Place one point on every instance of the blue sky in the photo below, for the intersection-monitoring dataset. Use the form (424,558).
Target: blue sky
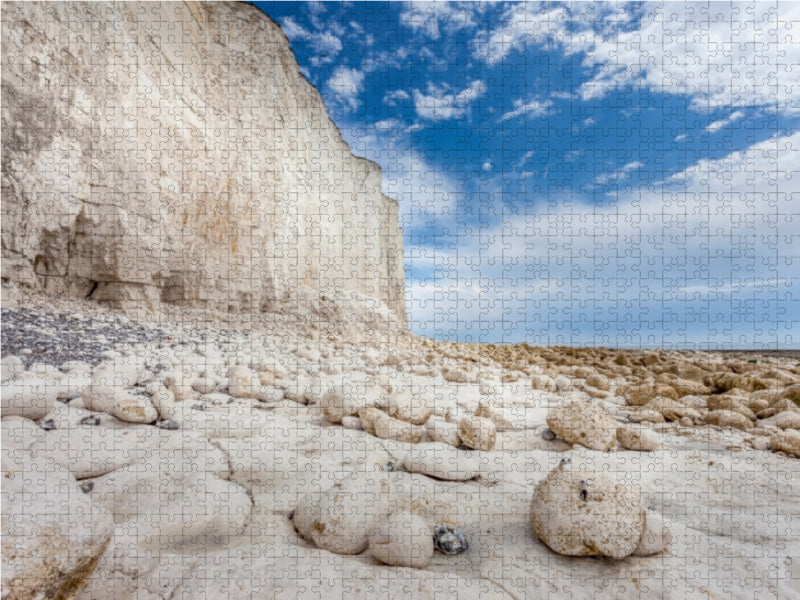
(622,174)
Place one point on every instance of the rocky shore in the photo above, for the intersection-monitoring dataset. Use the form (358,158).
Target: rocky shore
(322,450)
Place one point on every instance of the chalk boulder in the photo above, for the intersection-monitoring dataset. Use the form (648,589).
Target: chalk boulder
(587,513)
(402,540)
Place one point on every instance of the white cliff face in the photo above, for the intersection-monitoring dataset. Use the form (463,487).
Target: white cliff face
(173,152)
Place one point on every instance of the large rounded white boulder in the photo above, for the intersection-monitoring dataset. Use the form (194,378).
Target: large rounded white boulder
(581,513)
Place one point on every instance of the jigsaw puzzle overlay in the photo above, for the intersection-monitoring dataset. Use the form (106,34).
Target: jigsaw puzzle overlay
(399,300)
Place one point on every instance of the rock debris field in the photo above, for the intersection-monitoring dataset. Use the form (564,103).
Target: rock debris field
(322,451)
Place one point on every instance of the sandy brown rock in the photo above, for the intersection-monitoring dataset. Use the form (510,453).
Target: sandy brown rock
(543,382)
(688,387)
(777,406)
(787,419)
(730,403)
(646,415)
(640,395)
(724,382)
(787,441)
(599,382)
(728,418)
(587,514)
(672,410)
(455,375)
(634,437)
(583,423)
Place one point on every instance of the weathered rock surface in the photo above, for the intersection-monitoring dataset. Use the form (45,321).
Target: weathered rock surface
(787,441)
(123,404)
(495,415)
(478,433)
(787,419)
(411,408)
(587,514)
(53,534)
(341,518)
(728,418)
(442,461)
(730,403)
(672,410)
(31,399)
(109,221)
(635,437)
(345,401)
(583,423)
(639,395)
(441,430)
(655,537)
(402,540)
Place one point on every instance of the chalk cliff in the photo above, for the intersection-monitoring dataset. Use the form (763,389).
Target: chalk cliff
(173,152)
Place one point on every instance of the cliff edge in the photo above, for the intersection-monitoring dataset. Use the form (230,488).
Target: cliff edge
(173,152)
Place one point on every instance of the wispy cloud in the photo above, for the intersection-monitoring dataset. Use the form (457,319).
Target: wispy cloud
(534,108)
(441,104)
(620,173)
(624,51)
(395,97)
(629,262)
(294,31)
(717,125)
(434,18)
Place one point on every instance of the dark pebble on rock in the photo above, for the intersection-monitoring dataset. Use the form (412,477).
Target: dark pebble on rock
(167,424)
(449,540)
(48,425)
(90,420)
(87,486)
(548,434)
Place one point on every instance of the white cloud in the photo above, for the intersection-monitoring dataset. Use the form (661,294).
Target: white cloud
(294,31)
(718,54)
(534,108)
(441,104)
(345,85)
(395,97)
(387,124)
(620,173)
(487,166)
(522,25)
(433,18)
(326,44)
(327,47)
(315,7)
(717,125)
(524,159)
(672,257)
